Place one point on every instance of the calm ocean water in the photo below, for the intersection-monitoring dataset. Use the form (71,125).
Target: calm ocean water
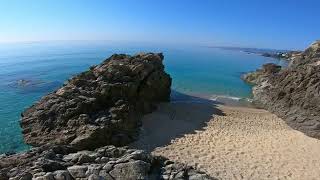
(45,66)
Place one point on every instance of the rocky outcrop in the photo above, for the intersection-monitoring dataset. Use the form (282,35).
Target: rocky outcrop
(293,93)
(104,163)
(309,56)
(101,106)
(260,75)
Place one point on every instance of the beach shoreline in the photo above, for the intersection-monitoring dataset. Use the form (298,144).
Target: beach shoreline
(229,142)
(222,99)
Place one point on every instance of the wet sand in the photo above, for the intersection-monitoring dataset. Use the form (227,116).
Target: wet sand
(230,142)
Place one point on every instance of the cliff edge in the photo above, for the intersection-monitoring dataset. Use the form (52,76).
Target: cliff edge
(292,93)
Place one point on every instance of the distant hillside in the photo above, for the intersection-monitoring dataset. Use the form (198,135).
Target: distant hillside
(273,53)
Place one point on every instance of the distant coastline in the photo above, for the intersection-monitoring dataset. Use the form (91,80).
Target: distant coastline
(272,53)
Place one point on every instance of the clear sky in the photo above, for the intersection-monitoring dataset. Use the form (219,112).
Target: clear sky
(281,24)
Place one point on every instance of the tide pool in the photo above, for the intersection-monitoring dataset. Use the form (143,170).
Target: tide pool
(31,70)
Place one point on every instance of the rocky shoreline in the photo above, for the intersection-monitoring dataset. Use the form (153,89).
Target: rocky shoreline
(101,106)
(75,130)
(81,130)
(109,162)
(292,93)
(290,55)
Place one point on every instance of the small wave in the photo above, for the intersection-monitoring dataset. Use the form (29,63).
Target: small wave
(177,97)
(217,97)
(231,100)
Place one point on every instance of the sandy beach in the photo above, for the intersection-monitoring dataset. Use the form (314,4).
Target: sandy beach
(230,142)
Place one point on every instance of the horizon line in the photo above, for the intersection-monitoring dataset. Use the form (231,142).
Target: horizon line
(148,42)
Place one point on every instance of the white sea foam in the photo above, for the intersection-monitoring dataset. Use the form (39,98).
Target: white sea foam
(231,99)
(219,97)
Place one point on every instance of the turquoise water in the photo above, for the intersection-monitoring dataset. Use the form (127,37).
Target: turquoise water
(45,66)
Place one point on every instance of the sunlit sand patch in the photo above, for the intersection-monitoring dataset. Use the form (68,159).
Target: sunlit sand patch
(231,142)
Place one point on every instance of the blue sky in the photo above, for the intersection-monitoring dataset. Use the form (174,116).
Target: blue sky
(281,24)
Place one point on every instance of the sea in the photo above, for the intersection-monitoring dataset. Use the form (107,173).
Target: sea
(31,70)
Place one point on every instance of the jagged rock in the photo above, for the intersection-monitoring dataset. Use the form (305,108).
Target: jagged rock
(131,170)
(137,165)
(311,55)
(58,175)
(313,51)
(108,167)
(261,74)
(294,92)
(100,106)
(105,175)
(26,176)
(93,169)
(94,177)
(78,171)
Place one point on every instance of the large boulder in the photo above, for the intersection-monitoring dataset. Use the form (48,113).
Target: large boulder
(98,107)
(101,106)
(293,93)
(131,170)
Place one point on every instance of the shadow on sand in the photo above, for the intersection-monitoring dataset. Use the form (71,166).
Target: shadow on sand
(183,115)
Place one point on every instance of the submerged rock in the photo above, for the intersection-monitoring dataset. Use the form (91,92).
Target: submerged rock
(23,82)
(293,93)
(121,164)
(100,106)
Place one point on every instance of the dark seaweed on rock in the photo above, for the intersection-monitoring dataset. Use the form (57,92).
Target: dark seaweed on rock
(292,93)
(101,106)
